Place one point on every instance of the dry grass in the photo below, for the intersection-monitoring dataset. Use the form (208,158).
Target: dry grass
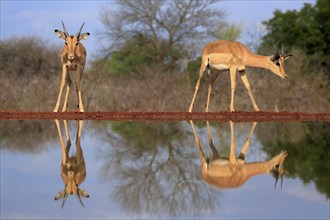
(31,84)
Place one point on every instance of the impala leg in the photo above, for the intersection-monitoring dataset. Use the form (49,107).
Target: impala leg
(79,152)
(65,153)
(80,159)
(68,140)
(232,158)
(200,151)
(214,77)
(201,72)
(248,87)
(233,87)
(247,142)
(68,85)
(215,154)
(64,72)
(64,158)
(79,76)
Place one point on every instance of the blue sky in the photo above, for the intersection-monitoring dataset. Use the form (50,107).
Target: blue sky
(20,18)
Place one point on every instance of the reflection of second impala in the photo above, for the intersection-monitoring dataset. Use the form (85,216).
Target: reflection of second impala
(233,172)
(73,169)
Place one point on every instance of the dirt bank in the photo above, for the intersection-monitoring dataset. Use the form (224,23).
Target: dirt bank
(168,116)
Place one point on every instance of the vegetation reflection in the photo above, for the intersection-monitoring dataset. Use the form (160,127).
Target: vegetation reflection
(155,171)
(308,144)
(24,136)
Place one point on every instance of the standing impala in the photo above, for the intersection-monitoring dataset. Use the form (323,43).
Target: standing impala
(73,169)
(226,55)
(231,172)
(73,58)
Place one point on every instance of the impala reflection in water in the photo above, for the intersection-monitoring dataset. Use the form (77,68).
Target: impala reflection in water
(233,172)
(73,169)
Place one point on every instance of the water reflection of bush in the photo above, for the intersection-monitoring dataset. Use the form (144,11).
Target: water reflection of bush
(27,136)
(155,170)
(308,145)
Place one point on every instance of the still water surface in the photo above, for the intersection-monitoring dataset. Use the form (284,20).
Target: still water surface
(153,170)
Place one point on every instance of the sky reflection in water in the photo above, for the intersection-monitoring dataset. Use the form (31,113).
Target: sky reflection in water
(152,169)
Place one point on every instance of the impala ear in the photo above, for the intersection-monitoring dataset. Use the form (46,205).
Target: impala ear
(287,56)
(83,36)
(83,193)
(60,34)
(59,195)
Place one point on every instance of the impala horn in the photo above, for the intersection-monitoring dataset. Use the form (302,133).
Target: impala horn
(78,197)
(64,199)
(275,57)
(65,31)
(79,31)
(276,180)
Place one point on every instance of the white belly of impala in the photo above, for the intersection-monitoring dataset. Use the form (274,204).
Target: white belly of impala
(219,66)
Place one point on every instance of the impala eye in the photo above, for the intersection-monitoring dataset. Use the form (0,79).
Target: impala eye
(77,43)
(66,43)
(278,64)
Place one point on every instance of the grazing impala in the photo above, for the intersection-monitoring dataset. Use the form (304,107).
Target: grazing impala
(73,58)
(73,169)
(226,55)
(231,172)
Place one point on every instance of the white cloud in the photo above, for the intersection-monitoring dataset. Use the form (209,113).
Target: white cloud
(306,192)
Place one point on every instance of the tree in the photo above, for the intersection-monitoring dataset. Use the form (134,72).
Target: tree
(323,19)
(173,28)
(228,31)
(305,33)
(29,56)
(132,56)
(29,66)
(307,29)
